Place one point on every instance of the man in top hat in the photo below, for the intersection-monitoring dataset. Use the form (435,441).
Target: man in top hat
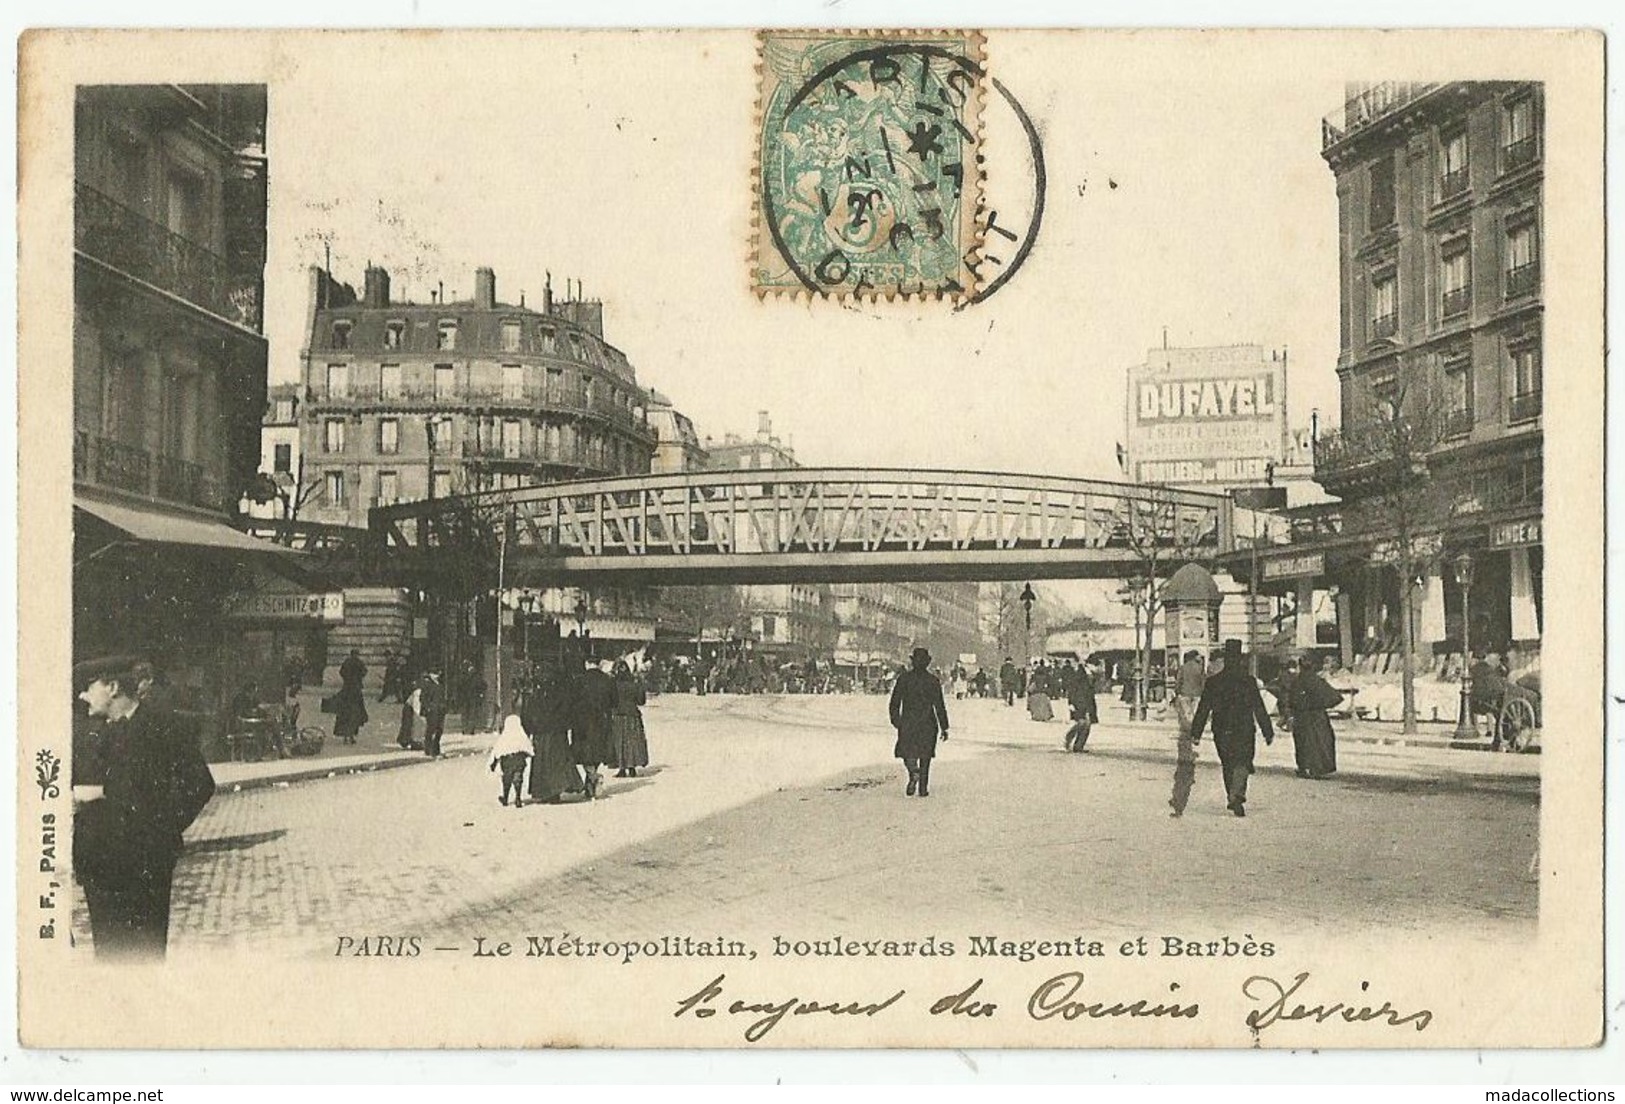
(1232,699)
(149,783)
(918,713)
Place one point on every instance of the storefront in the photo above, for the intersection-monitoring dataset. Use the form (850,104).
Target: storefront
(156,584)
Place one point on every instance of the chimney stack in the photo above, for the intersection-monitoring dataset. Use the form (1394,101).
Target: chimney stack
(485,288)
(547,294)
(375,291)
(764,425)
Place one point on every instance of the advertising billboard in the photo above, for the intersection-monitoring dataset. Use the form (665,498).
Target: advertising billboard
(1208,418)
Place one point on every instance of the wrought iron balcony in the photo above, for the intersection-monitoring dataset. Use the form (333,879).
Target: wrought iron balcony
(1515,155)
(127,240)
(1523,408)
(1383,326)
(1456,301)
(1452,184)
(183,481)
(107,463)
(1522,279)
(1369,105)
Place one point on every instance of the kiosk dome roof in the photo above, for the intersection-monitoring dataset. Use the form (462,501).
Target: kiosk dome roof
(1191,583)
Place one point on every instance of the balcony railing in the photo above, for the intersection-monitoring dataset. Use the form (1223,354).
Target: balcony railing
(1523,408)
(184,481)
(1521,279)
(1458,423)
(1456,301)
(107,230)
(106,463)
(1385,325)
(1369,105)
(1515,155)
(1452,184)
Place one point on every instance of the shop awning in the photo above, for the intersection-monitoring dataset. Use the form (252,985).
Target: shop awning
(153,526)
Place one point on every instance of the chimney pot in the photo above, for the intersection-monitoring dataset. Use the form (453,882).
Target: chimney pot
(375,287)
(485,288)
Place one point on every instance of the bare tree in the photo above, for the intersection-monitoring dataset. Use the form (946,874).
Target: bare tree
(1164,535)
(1410,498)
(290,489)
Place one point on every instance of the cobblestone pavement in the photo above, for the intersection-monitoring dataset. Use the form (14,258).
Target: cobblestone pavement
(787,814)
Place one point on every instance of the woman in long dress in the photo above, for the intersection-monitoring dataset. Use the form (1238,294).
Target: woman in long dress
(350,709)
(1314,743)
(546,716)
(626,724)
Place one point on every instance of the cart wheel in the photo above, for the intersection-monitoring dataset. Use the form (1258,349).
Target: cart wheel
(1518,729)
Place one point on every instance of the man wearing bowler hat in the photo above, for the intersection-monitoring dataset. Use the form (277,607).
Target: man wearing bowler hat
(1232,699)
(130,810)
(918,713)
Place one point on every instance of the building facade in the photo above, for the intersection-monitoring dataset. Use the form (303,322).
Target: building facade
(169,363)
(677,443)
(1440,208)
(405,401)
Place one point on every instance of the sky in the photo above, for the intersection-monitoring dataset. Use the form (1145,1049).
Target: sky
(1185,194)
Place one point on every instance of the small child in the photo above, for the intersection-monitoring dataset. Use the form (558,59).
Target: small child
(510,751)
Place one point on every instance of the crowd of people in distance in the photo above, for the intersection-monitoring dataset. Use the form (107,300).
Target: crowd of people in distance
(573,720)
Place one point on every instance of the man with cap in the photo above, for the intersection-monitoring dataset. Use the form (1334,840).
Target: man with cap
(918,713)
(1232,699)
(130,809)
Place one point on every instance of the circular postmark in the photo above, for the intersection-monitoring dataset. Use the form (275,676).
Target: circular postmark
(871,169)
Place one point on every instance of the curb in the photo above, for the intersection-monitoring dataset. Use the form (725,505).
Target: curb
(315,774)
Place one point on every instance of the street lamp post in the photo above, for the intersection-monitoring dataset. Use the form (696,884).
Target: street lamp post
(1138,589)
(1463,565)
(1027,599)
(581,623)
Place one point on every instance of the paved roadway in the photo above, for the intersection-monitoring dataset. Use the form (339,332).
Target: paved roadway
(787,813)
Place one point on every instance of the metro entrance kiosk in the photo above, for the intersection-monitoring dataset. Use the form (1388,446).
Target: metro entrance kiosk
(1190,605)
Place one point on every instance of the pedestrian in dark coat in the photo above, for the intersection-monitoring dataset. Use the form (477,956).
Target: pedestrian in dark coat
(1313,742)
(149,786)
(590,731)
(919,714)
(546,714)
(349,706)
(1080,697)
(1232,700)
(1007,680)
(432,704)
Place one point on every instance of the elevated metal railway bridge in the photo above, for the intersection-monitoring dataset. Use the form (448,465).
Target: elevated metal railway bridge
(795,525)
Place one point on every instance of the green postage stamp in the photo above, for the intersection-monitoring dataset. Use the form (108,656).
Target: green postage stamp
(868,174)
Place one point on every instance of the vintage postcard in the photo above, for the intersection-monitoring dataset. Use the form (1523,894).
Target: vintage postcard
(838,538)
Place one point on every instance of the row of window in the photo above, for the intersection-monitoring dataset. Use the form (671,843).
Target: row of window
(1523,393)
(1520,276)
(337,486)
(504,437)
(512,339)
(559,387)
(1519,146)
